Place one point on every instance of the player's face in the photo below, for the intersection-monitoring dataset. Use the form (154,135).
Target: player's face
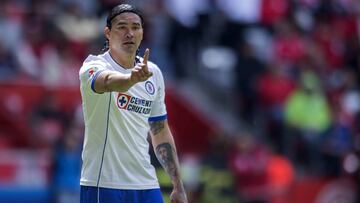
(126,33)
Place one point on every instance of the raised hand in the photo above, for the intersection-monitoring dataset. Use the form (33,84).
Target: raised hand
(141,71)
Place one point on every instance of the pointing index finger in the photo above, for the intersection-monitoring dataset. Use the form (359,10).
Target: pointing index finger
(146,56)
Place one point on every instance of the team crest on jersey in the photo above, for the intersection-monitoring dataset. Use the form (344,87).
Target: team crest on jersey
(91,71)
(134,104)
(123,100)
(149,87)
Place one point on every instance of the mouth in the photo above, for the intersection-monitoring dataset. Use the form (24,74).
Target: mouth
(129,43)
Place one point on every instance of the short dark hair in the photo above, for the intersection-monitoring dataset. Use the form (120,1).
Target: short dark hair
(122,8)
(117,10)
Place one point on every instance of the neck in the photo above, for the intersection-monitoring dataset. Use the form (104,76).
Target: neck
(125,60)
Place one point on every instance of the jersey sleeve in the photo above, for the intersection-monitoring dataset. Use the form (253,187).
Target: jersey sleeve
(88,74)
(158,111)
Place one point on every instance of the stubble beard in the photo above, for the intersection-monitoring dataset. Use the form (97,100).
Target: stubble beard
(129,49)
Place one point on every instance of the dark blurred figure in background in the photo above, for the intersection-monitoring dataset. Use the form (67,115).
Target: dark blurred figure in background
(216,180)
(248,162)
(9,65)
(273,87)
(48,122)
(261,175)
(308,117)
(246,80)
(187,20)
(66,167)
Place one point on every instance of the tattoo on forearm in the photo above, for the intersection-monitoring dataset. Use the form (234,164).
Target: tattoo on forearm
(156,126)
(165,154)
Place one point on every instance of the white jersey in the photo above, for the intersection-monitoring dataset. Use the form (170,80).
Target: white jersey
(115,151)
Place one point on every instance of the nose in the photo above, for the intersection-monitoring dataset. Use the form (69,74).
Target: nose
(129,33)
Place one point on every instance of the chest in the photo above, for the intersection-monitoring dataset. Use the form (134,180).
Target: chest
(138,99)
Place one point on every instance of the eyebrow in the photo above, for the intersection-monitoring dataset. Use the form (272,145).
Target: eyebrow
(126,23)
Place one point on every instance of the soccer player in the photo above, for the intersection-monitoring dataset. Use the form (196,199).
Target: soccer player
(123,98)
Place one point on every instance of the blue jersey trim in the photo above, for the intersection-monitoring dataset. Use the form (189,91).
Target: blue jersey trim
(93,80)
(158,118)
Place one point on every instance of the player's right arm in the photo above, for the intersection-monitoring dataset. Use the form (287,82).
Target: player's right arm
(108,81)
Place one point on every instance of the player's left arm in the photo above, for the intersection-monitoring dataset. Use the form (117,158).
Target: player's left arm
(165,151)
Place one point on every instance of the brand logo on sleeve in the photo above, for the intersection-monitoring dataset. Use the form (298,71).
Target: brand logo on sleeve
(91,71)
(149,87)
(134,104)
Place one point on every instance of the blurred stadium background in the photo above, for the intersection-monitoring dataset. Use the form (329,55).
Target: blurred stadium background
(263,96)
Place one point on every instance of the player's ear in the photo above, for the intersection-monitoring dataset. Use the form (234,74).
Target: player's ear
(107,32)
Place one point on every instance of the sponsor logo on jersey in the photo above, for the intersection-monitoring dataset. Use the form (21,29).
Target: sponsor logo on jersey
(123,101)
(134,104)
(149,87)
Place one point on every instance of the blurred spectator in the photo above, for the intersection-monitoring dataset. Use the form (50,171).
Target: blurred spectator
(183,33)
(334,147)
(273,88)
(48,123)
(331,43)
(248,67)
(63,69)
(273,11)
(34,49)
(249,162)
(341,136)
(289,45)
(238,17)
(308,116)
(9,66)
(216,179)
(350,98)
(76,25)
(11,24)
(88,8)
(248,12)
(67,166)
(281,178)
(43,9)
(191,172)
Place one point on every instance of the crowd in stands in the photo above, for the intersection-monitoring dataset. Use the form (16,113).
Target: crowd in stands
(297,74)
